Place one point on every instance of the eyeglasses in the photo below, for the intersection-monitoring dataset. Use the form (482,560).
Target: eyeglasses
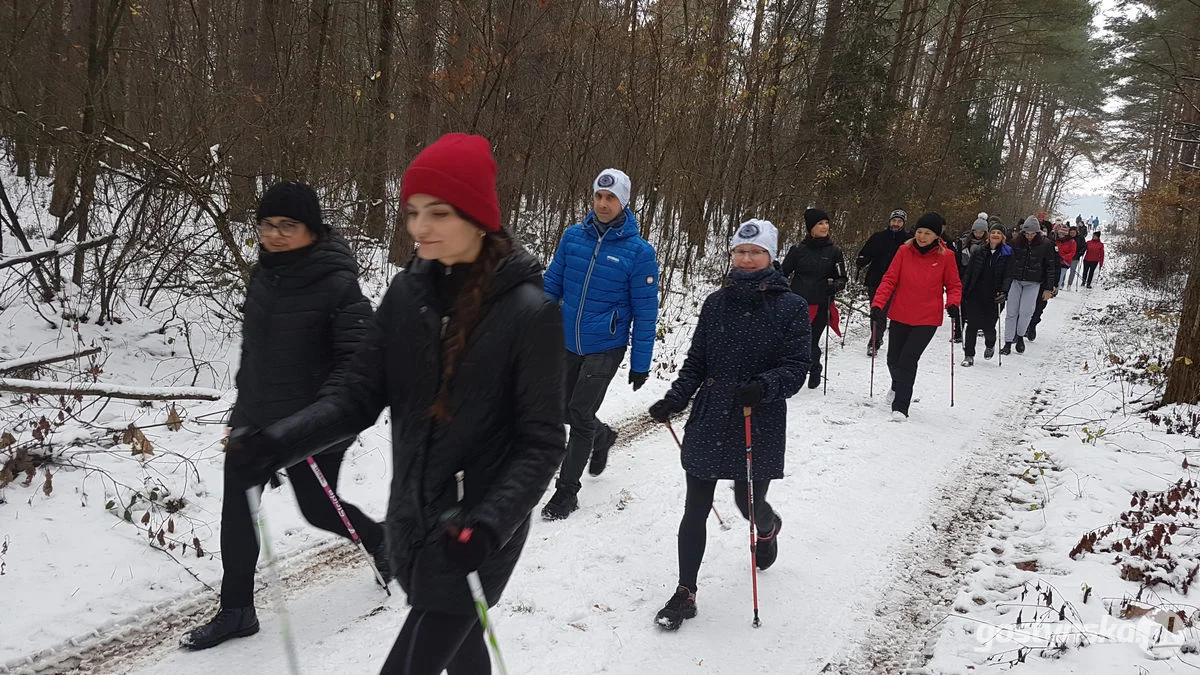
(286,228)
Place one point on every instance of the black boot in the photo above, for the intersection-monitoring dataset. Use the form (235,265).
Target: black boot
(1006,349)
(227,624)
(814,376)
(768,546)
(681,606)
(606,436)
(561,505)
(1020,345)
(1031,333)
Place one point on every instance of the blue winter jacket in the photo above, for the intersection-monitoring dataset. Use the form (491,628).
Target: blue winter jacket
(605,284)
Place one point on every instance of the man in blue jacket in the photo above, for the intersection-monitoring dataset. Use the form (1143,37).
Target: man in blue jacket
(606,277)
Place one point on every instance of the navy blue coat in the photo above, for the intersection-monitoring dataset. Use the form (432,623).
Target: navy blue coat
(606,282)
(754,328)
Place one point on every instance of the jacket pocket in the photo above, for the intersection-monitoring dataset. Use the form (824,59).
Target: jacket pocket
(612,323)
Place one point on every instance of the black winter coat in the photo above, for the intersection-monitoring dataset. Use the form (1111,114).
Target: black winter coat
(506,435)
(752,329)
(304,318)
(1036,261)
(876,255)
(810,265)
(982,280)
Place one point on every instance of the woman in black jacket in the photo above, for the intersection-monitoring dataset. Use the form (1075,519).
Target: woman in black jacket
(466,350)
(750,350)
(818,273)
(304,317)
(983,291)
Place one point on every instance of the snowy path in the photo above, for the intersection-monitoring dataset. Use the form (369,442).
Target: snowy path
(858,501)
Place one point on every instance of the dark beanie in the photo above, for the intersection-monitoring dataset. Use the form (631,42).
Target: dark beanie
(933,222)
(458,169)
(812,217)
(294,200)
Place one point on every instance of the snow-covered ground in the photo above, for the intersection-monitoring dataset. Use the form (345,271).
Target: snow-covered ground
(899,552)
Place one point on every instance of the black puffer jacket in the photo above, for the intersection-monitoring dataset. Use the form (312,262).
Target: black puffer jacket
(304,317)
(985,273)
(506,435)
(810,265)
(1033,261)
(876,255)
(752,329)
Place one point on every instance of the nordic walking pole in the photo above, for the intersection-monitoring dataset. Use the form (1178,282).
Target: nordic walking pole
(720,520)
(1000,335)
(873,350)
(825,370)
(254,499)
(477,594)
(951,369)
(337,506)
(750,510)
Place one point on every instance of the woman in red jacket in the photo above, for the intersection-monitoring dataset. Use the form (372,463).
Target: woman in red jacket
(1066,255)
(921,272)
(1093,258)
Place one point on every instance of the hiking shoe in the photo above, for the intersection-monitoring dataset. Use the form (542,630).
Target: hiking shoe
(681,606)
(968,362)
(606,436)
(898,416)
(1006,349)
(989,352)
(227,624)
(872,350)
(1031,333)
(768,546)
(1020,345)
(814,376)
(560,505)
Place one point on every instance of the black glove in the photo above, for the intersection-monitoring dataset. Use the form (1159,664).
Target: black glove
(465,544)
(637,379)
(250,455)
(662,410)
(952,310)
(877,314)
(750,393)
(1001,298)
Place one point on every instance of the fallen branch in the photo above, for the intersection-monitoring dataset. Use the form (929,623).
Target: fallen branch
(55,252)
(38,360)
(109,390)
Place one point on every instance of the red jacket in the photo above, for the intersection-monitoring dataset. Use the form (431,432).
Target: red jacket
(1095,252)
(1066,251)
(915,282)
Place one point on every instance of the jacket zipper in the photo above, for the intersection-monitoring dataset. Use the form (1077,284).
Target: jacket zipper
(583,295)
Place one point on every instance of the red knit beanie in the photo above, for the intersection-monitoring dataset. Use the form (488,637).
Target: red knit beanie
(459,170)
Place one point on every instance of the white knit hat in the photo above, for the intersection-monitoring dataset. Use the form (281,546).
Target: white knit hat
(616,182)
(758,232)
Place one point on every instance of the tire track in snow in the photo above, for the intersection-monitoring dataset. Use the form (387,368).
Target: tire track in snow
(150,635)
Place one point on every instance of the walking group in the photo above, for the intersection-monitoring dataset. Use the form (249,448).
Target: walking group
(483,357)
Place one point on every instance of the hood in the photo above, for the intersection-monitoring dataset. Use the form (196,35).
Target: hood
(627,229)
(331,254)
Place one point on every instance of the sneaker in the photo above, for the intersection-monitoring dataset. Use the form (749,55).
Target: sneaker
(606,436)
(561,505)
(227,624)
(968,362)
(768,546)
(1020,345)
(989,352)
(898,416)
(681,606)
(1031,333)
(1006,349)
(814,376)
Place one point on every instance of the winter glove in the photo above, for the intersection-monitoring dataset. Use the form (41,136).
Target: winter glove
(662,410)
(952,310)
(465,544)
(250,455)
(1001,298)
(637,379)
(750,394)
(877,314)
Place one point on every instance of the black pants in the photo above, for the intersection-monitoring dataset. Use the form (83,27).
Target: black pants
(1089,271)
(819,324)
(879,327)
(980,315)
(587,380)
(239,543)
(1037,314)
(432,642)
(693,535)
(905,346)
